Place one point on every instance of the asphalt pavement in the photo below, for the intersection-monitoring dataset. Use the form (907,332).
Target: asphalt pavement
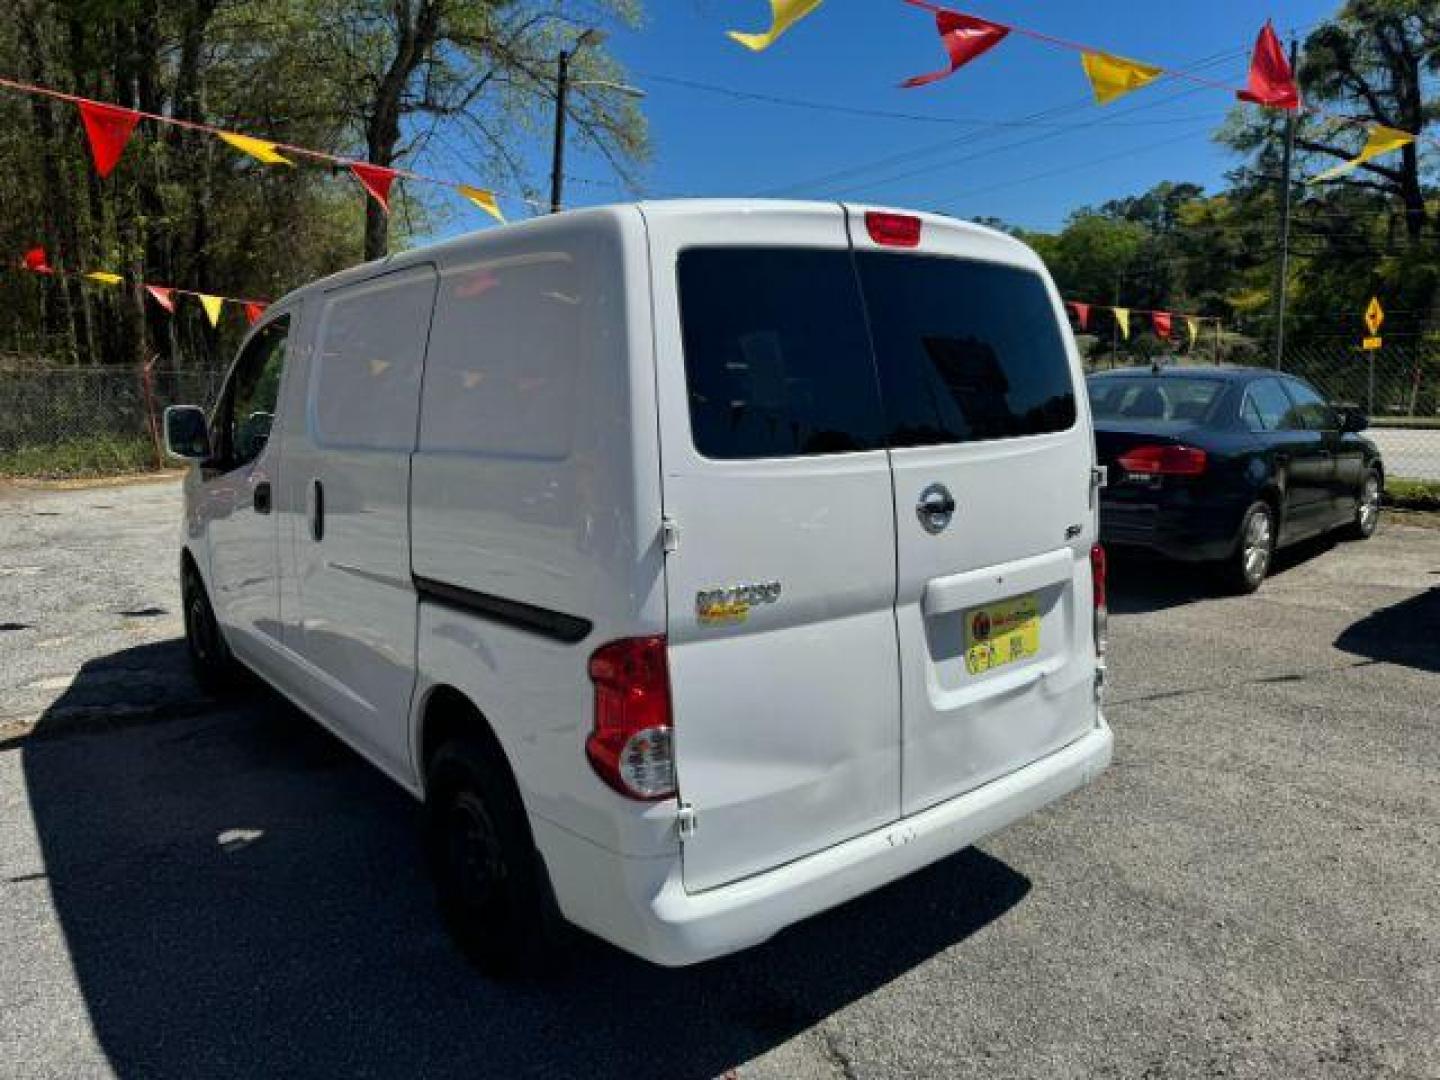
(197,889)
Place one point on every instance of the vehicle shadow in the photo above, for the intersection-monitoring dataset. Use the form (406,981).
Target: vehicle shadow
(1406,633)
(1139,583)
(240,895)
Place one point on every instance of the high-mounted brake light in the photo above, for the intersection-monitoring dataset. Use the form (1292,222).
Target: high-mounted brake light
(630,745)
(893,230)
(1164,460)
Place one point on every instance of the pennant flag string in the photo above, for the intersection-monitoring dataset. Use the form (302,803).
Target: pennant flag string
(36,261)
(783,15)
(108,128)
(1271,83)
(964,37)
(1380,140)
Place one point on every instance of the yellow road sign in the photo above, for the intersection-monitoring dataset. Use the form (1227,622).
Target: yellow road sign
(1371,343)
(1374,316)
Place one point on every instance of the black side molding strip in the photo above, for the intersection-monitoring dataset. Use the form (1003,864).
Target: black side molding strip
(555,625)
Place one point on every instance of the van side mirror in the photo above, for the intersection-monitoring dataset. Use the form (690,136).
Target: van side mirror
(1353,420)
(187,433)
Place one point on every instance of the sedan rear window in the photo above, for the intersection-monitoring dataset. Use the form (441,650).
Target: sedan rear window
(1151,398)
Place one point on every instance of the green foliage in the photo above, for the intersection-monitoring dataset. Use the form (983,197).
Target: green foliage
(97,455)
(455,88)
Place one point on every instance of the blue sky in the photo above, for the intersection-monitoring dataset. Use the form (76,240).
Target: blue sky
(1013,135)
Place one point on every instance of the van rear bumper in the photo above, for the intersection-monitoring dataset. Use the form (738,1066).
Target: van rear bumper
(641,904)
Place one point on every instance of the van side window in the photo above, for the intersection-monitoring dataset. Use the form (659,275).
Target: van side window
(776,356)
(247,408)
(501,377)
(365,388)
(967,350)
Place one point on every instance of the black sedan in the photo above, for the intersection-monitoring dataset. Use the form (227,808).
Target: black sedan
(1226,465)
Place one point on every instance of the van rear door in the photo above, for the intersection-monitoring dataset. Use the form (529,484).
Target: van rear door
(781,578)
(994,513)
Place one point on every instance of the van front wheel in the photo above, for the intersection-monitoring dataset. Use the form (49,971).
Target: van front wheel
(211,661)
(488,879)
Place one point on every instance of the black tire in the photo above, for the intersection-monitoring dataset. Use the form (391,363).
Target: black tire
(1254,551)
(1367,508)
(213,664)
(490,882)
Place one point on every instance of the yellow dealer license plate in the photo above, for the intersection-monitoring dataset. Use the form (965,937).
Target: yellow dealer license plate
(1000,634)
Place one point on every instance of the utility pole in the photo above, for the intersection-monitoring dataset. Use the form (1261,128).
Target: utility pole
(1282,269)
(557,160)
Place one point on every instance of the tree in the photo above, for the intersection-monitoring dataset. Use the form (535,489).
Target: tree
(486,66)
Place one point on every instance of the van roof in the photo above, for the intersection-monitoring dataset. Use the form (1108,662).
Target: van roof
(670,208)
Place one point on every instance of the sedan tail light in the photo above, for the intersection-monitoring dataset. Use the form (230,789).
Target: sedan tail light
(630,745)
(1164,460)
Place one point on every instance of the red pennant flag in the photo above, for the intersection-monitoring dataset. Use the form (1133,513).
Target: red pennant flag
(253,310)
(1271,82)
(1082,313)
(37,261)
(1162,322)
(164,296)
(109,128)
(965,37)
(376,179)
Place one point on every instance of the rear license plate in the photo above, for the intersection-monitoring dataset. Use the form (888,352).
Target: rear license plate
(1000,634)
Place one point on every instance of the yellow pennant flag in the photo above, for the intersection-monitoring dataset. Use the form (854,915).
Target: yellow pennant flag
(1113,77)
(1381,140)
(783,15)
(1122,316)
(259,149)
(211,304)
(105,277)
(485,200)
(1193,325)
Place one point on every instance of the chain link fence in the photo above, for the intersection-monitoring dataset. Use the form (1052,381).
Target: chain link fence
(49,413)
(61,416)
(1397,386)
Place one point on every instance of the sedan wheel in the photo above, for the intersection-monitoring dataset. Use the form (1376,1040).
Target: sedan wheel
(1256,547)
(1367,508)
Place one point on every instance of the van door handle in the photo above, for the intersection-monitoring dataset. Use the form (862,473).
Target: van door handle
(317,512)
(262,497)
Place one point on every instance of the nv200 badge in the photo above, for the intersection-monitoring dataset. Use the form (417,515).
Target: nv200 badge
(731,605)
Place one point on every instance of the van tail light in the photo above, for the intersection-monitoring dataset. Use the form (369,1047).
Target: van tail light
(630,745)
(1099,571)
(1164,460)
(893,230)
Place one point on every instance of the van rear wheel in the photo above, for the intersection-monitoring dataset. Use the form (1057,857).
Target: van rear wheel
(211,661)
(489,881)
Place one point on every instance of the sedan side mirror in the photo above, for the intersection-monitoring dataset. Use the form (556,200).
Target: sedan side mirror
(1353,420)
(187,434)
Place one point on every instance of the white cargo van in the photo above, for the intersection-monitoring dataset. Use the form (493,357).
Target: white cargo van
(701,565)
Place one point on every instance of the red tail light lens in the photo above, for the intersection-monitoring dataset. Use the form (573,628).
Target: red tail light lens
(893,230)
(1099,570)
(1164,460)
(630,745)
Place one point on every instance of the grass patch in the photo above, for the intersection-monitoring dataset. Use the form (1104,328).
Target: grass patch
(1413,494)
(101,455)
(1422,423)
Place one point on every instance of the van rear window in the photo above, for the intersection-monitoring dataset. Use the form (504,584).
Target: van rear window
(776,358)
(967,351)
(792,351)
